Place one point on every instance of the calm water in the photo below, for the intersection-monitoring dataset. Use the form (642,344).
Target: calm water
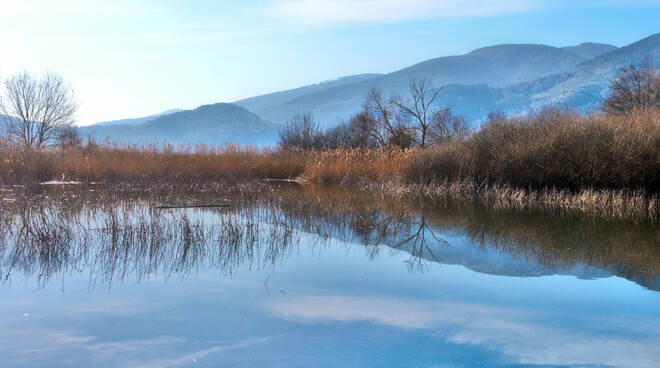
(292,275)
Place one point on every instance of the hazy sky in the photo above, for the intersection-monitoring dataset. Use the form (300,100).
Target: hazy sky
(133,58)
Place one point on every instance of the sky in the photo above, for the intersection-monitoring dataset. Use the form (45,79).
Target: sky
(135,58)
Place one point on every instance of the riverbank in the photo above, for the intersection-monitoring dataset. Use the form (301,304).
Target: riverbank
(599,163)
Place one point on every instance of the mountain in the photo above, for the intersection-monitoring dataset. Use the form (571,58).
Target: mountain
(3,126)
(583,87)
(210,124)
(590,50)
(515,79)
(136,121)
(276,98)
(474,82)
(495,66)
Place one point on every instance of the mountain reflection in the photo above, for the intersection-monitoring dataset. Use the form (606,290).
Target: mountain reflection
(114,235)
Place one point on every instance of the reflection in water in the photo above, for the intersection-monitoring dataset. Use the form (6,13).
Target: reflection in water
(294,275)
(514,242)
(113,235)
(115,240)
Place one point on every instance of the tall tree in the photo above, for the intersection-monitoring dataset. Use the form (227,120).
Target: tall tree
(301,132)
(36,108)
(379,115)
(419,107)
(446,127)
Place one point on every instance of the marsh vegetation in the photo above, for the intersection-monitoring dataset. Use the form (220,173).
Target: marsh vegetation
(607,161)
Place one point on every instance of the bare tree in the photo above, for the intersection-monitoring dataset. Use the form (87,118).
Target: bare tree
(379,116)
(36,109)
(301,132)
(495,117)
(402,137)
(446,127)
(68,137)
(360,131)
(419,106)
(634,88)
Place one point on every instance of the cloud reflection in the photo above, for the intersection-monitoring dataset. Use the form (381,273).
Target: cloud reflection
(526,335)
(42,346)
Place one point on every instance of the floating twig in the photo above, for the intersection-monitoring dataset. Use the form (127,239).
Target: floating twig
(225,205)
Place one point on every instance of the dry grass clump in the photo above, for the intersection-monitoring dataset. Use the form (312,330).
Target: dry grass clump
(551,150)
(356,165)
(111,163)
(449,162)
(570,151)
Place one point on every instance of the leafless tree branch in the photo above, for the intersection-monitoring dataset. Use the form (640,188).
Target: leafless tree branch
(418,106)
(634,88)
(36,109)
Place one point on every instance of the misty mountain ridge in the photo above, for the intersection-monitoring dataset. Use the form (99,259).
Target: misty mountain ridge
(473,81)
(275,98)
(513,78)
(583,87)
(210,124)
(136,121)
(590,50)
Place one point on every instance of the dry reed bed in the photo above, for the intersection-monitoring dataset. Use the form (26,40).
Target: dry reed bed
(593,162)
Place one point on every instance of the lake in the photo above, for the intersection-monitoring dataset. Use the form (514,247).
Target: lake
(289,275)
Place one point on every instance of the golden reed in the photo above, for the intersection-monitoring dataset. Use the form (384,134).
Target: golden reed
(590,162)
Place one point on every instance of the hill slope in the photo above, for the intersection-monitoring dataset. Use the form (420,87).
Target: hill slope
(584,86)
(590,50)
(273,99)
(211,124)
(511,78)
(136,121)
(481,73)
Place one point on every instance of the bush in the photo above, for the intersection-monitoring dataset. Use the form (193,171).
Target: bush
(634,88)
(450,161)
(553,149)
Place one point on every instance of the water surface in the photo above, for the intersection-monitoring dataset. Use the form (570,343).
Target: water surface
(291,275)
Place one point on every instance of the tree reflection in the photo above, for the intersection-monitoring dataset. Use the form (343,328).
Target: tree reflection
(114,235)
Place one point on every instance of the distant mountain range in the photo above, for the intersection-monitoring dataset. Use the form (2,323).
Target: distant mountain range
(137,121)
(211,124)
(512,78)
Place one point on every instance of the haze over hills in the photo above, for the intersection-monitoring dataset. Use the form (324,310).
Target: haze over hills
(276,98)
(211,124)
(473,81)
(136,121)
(584,86)
(590,50)
(512,78)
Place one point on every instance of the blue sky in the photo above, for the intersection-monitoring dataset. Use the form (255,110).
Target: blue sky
(133,58)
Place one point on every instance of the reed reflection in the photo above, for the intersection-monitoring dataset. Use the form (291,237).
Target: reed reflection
(115,235)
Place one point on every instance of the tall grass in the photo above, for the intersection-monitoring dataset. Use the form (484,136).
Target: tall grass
(357,166)
(555,157)
(112,163)
(553,149)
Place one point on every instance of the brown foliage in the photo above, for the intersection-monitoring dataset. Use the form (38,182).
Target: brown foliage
(113,163)
(570,151)
(553,157)
(634,88)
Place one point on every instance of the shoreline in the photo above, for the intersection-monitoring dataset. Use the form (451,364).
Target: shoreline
(605,202)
